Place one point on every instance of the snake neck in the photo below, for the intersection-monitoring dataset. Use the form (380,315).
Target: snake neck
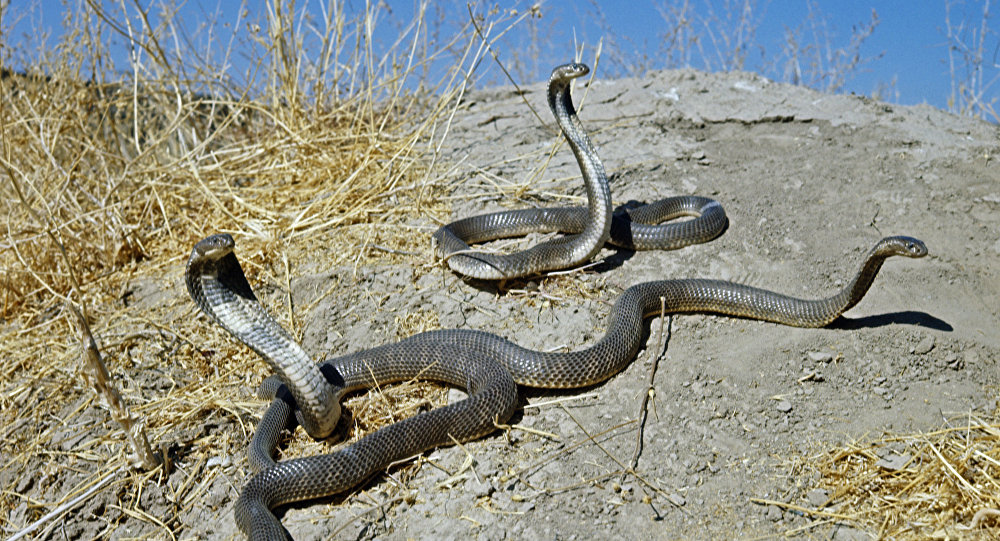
(221,290)
(862,282)
(594,177)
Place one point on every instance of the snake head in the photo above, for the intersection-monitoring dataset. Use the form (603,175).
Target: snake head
(213,248)
(208,258)
(566,72)
(904,246)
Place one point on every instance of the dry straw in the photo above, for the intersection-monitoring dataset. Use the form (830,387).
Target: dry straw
(111,173)
(943,484)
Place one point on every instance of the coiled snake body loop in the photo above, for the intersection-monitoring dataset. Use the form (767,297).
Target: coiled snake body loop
(487,365)
(588,228)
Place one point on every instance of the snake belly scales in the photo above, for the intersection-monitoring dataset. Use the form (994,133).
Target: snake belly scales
(489,367)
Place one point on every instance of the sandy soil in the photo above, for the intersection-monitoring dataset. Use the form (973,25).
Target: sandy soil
(810,182)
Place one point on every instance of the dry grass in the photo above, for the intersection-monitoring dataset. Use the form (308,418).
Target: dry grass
(943,484)
(107,183)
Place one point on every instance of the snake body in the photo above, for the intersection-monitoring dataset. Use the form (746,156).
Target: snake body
(487,365)
(587,229)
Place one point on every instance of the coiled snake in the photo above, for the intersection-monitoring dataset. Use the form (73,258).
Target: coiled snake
(589,228)
(487,366)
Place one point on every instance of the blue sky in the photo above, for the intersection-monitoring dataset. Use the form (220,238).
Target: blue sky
(908,50)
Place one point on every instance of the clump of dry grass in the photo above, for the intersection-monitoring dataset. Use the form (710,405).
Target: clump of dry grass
(110,173)
(943,484)
(973,68)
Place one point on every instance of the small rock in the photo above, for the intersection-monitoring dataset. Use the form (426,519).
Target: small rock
(893,462)
(948,360)
(784,406)
(924,346)
(677,499)
(225,461)
(970,357)
(846,533)
(479,488)
(817,497)
(820,356)
(773,513)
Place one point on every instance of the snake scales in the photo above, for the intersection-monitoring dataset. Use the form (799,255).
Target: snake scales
(487,366)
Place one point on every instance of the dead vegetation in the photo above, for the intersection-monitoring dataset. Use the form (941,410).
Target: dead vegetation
(943,484)
(109,178)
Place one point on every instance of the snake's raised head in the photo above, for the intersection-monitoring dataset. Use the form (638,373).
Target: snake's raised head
(904,246)
(214,257)
(213,248)
(565,73)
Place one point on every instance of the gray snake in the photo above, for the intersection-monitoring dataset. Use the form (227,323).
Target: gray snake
(489,367)
(486,365)
(588,228)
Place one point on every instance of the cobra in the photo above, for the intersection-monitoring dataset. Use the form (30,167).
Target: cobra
(588,228)
(489,367)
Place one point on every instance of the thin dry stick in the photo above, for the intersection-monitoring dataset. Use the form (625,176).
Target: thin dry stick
(982,515)
(650,391)
(489,48)
(64,507)
(593,439)
(806,510)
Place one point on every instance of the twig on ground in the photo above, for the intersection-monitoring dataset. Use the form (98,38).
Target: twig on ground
(66,506)
(650,389)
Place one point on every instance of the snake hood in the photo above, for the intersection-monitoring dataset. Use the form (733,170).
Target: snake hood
(218,286)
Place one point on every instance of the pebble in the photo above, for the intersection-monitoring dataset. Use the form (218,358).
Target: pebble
(820,356)
(817,497)
(479,487)
(677,499)
(925,345)
(773,513)
(893,462)
(846,533)
(225,461)
(784,406)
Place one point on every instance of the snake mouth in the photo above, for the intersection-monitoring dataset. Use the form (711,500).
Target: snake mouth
(916,248)
(904,246)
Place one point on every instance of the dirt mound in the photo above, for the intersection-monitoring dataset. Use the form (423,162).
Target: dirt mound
(745,414)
